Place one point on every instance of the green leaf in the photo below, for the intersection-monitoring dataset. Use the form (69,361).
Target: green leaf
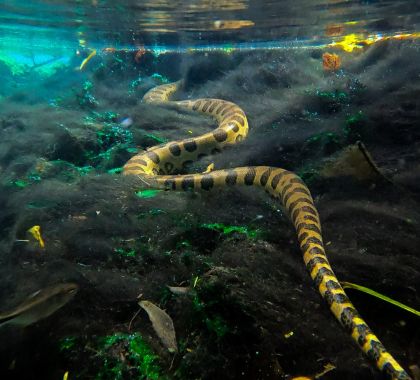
(349,285)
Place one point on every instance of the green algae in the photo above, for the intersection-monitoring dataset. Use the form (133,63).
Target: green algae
(355,118)
(147,193)
(151,212)
(56,168)
(85,98)
(112,135)
(308,174)
(115,170)
(125,252)
(102,117)
(87,85)
(324,137)
(113,142)
(135,83)
(67,343)
(208,305)
(217,325)
(136,352)
(336,96)
(160,78)
(19,183)
(330,101)
(226,230)
(115,357)
(160,140)
(354,128)
(24,182)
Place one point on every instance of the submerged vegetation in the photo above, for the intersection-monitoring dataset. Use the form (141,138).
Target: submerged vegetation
(226,230)
(114,357)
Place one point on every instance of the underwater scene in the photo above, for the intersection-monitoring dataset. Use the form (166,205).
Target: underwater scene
(210,189)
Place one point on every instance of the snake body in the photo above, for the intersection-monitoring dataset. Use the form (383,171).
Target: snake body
(157,166)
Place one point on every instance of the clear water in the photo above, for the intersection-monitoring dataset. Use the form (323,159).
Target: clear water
(36,28)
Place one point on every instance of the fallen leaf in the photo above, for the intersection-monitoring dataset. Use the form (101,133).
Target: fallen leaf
(162,324)
(179,290)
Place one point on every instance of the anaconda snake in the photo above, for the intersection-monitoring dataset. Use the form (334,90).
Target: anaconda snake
(156,165)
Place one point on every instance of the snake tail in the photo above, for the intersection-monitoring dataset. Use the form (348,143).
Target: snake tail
(156,167)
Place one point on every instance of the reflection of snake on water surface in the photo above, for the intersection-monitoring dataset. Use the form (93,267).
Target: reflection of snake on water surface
(156,165)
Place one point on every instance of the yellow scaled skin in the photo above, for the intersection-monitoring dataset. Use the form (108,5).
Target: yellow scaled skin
(157,165)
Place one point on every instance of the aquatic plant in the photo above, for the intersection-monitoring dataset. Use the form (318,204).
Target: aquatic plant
(134,84)
(102,117)
(326,137)
(137,353)
(67,343)
(160,78)
(21,183)
(354,126)
(160,140)
(85,98)
(125,252)
(115,170)
(327,142)
(62,169)
(308,173)
(111,135)
(120,356)
(336,96)
(149,193)
(226,230)
(364,289)
(208,305)
(331,101)
(151,212)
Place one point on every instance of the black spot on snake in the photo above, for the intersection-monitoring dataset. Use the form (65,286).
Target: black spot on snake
(235,128)
(231,177)
(316,260)
(190,145)
(220,135)
(138,161)
(196,105)
(153,156)
(322,273)
(264,177)
(250,176)
(213,106)
(175,149)
(207,182)
(276,179)
(169,167)
(206,105)
(170,184)
(187,183)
